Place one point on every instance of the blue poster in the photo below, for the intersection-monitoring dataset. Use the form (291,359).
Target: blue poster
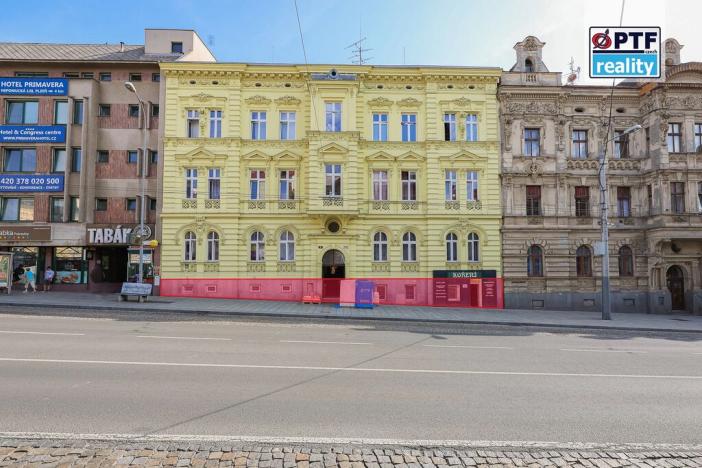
(31,183)
(32,134)
(34,86)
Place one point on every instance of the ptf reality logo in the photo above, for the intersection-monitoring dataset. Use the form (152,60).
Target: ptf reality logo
(631,52)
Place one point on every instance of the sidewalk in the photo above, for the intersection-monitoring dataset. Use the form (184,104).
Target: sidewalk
(542,318)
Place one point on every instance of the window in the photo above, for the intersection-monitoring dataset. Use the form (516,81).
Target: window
(132,157)
(409,127)
(103,156)
(156,77)
(101,204)
(287,125)
(528,66)
(190,247)
(333,116)
(380,185)
(31,74)
(450,186)
(409,185)
(582,202)
(472,127)
(621,144)
(71,75)
(87,75)
(105,76)
(131,204)
(135,77)
(59,163)
(287,185)
(583,261)
(258,125)
(472,185)
(257,184)
(216,124)
(213,183)
(17,209)
(450,127)
(698,137)
(380,127)
(153,204)
(380,247)
(212,247)
(677,197)
(532,142)
(153,157)
(648,141)
(22,112)
(133,110)
(287,246)
(409,247)
(76,159)
(56,210)
(257,247)
(78,112)
(579,146)
(74,212)
(623,202)
(176,47)
(649,198)
(535,261)
(626,261)
(451,247)
(155,110)
(332,180)
(191,183)
(61,112)
(699,197)
(674,137)
(104,110)
(473,247)
(193,124)
(20,160)
(533,200)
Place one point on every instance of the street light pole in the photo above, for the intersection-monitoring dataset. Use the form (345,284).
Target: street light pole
(142,180)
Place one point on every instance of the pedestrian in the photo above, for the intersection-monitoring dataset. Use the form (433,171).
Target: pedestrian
(29,280)
(48,278)
(18,273)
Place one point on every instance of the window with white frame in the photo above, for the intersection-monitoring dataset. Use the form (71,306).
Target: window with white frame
(450,126)
(213,182)
(287,185)
(532,142)
(380,185)
(450,185)
(409,185)
(698,137)
(380,126)
(212,247)
(473,247)
(472,186)
(257,184)
(287,125)
(287,246)
(699,197)
(451,247)
(674,138)
(191,183)
(257,247)
(258,125)
(22,112)
(332,180)
(190,245)
(333,116)
(380,247)
(472,127)
(409,127)
(216,124)
(193,124)
(409,247)
(579,144)
(621,144)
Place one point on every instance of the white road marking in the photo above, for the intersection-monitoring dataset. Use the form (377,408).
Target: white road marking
(183,338)
(325,342)
(12,332)
(589,350)
(467,347)
(350,369)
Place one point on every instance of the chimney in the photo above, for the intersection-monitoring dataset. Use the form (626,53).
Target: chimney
(121,46)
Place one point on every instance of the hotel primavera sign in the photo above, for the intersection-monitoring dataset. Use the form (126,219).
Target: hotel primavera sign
(15,86)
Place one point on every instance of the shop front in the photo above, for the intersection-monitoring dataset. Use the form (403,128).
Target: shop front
(467,288)
(21,242)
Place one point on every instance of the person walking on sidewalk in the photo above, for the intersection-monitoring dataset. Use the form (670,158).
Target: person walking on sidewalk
(30,280)
(48,278)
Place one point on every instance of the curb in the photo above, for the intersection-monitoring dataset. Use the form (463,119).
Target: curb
(234,313)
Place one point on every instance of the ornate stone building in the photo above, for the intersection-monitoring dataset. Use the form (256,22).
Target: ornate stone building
(552,135)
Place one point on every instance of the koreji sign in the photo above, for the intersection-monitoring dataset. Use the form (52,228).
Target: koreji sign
(33,86)
(31,183)
(102,234)
(625,52)
(32,134)
(465,273)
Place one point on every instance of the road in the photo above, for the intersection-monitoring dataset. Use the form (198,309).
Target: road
(346,380)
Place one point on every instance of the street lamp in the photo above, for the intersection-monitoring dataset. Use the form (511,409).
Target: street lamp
(604,203)
(130,87)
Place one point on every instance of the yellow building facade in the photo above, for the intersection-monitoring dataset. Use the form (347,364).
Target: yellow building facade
(284,182)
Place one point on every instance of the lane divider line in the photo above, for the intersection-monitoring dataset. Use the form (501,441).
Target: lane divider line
(13,332)
(182,338)
(587,350)
(466,346)
(325,342)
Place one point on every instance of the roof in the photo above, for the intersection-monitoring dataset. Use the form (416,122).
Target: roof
(18,51)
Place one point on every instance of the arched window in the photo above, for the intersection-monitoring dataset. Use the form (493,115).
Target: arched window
(626,261)
(257,247)
(287,246)
(212,247)
(583,261)
(535,261)
(528,66)
(380,247)
(190,249)
(409,247)
(473,247)
(451,247)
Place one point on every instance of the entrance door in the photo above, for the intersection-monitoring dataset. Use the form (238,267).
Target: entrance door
(676,286)
(333,271)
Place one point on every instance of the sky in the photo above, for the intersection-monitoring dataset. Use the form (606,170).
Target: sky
(412,32)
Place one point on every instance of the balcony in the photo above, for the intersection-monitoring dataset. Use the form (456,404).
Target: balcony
(272,206)
(404,207)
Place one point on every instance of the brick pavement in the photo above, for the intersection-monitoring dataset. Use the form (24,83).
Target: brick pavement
(63,453)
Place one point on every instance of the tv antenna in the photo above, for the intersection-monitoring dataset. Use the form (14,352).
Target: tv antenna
(574,72)
(358,52)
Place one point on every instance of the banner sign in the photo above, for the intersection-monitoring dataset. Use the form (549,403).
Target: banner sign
(5,270)
(32,133)
(25,233)
(31,183)
(629,52)
(34,86)
(136,289)
(101,234)
(465,273)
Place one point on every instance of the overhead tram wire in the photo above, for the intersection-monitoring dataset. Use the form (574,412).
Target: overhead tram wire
(307,66)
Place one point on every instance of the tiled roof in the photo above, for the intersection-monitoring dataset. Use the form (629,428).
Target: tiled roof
(11,51)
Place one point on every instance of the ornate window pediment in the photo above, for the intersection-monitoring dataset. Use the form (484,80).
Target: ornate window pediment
(256,156)
(203,100)
(333,148)
(409,102)
(380,156)
(380,102)
(286,101)
(411,156)
(201,155)
(258,100)
(463,156)
(287,156)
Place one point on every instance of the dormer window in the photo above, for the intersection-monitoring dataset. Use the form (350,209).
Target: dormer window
(176,47)
(528,66)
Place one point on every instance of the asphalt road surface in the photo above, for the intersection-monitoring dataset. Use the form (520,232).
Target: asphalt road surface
(350,380)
